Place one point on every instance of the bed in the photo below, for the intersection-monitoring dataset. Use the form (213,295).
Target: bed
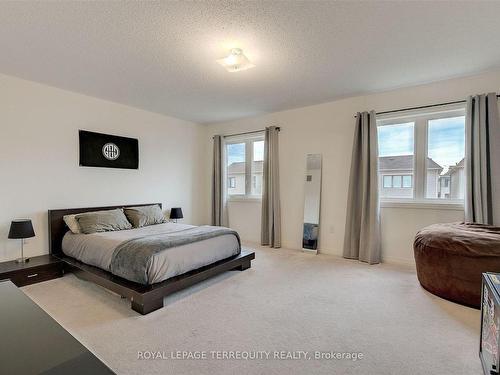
(195,254)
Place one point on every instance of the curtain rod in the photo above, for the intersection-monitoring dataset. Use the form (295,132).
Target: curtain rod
(422,107)
(244,133)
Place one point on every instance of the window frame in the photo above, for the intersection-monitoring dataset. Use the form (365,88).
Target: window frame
(397,177)
(248,140)
(384,178)
(420,119)
(403,181)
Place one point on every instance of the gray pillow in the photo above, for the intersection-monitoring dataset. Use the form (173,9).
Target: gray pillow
(145,215)
(72,224)
(102,221)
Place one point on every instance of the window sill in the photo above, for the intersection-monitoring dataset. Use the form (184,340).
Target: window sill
(244,198)
(428,204)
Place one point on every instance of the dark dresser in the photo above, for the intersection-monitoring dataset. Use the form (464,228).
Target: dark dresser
(34,343)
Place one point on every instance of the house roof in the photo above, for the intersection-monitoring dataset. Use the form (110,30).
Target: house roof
(453,168)
(403,162)
(239,167)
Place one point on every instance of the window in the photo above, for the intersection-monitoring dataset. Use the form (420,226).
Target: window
(244,160)
(396,144)
(257,162)
(407,181)
(236,166)
(445,157)
(421,155)
(397,181)
(387,181)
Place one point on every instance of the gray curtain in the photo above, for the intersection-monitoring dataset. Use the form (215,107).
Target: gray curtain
(218,203)
(271,210)
(362,230)
(482,161)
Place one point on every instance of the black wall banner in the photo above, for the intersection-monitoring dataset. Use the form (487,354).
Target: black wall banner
(108,151)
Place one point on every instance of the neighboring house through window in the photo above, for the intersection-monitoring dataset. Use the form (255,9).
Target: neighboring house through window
(244,163)
(396,181)
(421,155)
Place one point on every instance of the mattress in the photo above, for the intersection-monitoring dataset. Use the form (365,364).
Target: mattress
(97,250)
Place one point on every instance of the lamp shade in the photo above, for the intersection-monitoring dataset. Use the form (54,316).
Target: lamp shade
(21,229)
(176,213)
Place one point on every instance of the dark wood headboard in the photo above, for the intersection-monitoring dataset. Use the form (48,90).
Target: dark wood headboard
(58,228)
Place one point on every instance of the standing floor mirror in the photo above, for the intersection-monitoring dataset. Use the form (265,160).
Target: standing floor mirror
(312,203)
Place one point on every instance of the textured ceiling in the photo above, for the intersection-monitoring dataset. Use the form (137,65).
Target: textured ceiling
(160,56)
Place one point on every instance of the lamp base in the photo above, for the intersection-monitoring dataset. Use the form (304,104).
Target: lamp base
(22,260)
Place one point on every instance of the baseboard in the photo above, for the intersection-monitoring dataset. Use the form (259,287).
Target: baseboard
(402,262)
(310,251)
(399,262)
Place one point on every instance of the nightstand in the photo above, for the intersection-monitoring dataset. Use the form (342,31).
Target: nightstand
(40,268)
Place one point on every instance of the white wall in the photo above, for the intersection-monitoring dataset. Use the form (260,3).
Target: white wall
(328,129)
(399,226)
(39,159)
(244,216)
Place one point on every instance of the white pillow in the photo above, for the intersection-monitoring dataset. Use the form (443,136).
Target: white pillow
(72,223)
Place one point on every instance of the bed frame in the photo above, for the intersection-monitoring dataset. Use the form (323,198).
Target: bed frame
(144,298)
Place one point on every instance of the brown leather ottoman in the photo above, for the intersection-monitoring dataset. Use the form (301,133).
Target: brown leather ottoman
(450,259)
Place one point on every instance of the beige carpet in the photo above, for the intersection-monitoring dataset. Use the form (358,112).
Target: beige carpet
(288,301)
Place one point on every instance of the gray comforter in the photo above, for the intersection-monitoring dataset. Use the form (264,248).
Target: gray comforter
(131,258)
(171,250)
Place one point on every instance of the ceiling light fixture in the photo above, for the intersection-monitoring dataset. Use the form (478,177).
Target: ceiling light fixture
(236,61)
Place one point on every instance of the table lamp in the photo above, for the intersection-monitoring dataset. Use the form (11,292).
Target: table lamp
(176,213)
(21,229)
